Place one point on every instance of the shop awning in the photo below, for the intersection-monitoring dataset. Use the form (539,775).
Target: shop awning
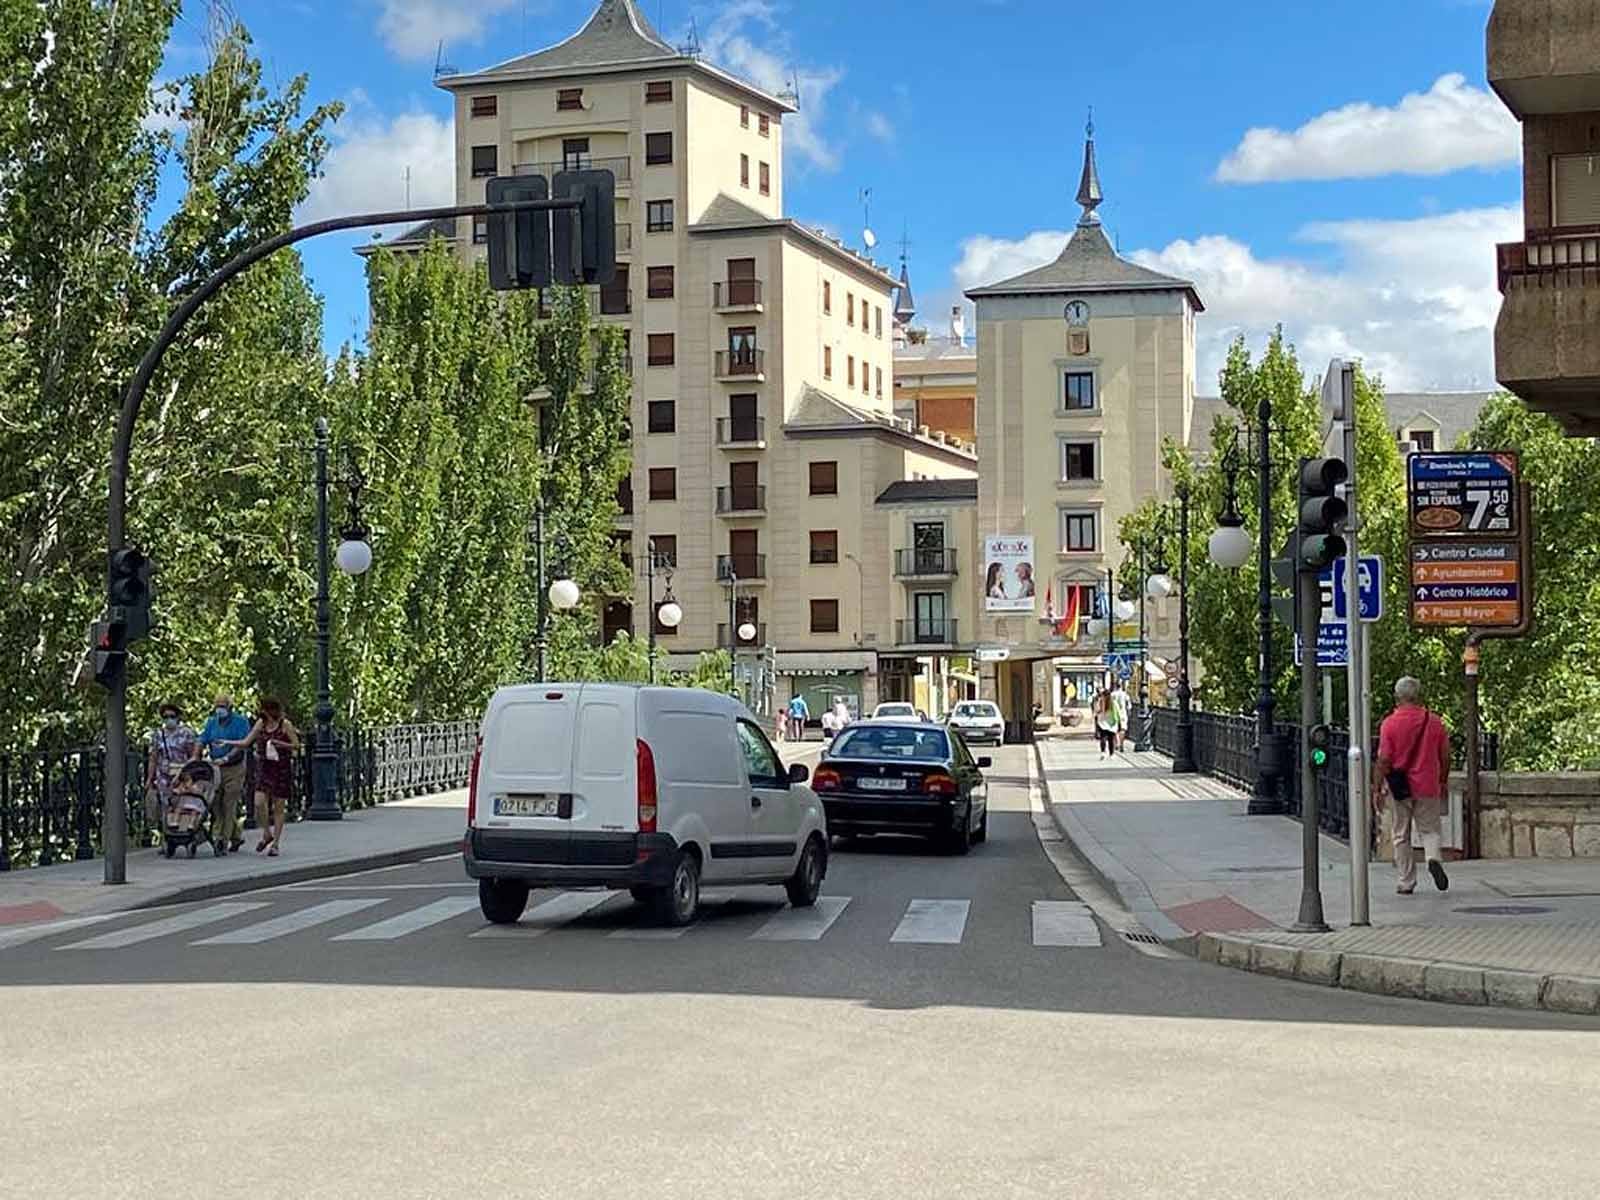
(825,662)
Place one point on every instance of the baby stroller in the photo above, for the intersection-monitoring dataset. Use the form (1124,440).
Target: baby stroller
(186,821)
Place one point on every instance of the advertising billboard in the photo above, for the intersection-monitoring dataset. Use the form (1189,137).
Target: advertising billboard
(1008,574)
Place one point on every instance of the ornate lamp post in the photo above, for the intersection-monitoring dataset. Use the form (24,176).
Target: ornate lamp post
(670,614)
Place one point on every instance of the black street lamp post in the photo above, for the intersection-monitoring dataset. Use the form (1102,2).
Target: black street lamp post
(1183,756)
(1141,740)
(669,614)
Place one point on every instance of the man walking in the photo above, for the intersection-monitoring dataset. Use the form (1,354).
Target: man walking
(224,725)
(799,714)
(1413,772)
(1124,711)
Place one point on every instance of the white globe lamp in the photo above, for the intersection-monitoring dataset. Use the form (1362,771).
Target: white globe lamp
(670,614)
(1125,610)
(354,556)
(747,632)
(1158,587)
(564,594)
(1229,546)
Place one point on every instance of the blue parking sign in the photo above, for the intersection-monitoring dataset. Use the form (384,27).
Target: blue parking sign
(1371,587)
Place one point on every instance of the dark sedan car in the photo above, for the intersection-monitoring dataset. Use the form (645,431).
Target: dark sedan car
(903,777)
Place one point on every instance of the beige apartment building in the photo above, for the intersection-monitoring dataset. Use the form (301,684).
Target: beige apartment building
(1085,365)
(762,353)
(1544,61)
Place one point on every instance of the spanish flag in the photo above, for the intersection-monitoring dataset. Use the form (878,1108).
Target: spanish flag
(1067,626)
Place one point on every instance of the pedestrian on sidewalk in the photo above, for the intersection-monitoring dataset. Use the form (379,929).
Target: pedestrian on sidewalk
(1124,710)
(1105,723)
(279,741)
(1412,773)
(224,728)
(799,714)
(172,743)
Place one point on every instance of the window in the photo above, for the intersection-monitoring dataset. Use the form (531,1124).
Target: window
(827,362)
(744,422)
(850,370)
(763,125)
(761,761)
(1078,532)
(657,149)
(1077,460)
(615,298)
(485,106)
(574,153)
(865,389)
(661,349)
(666,546)
(663,483)
(929,611)
(625,495)
(827,297)
(1421,438)
(744,170)
(663,416)
(742,346)
(766,179)
(877,321)
(824,479)
(658,216)
(569,99)
(824,614)
(659,92)
(744,116)
(485,160)
(877,381)
(480,230)
(1574,189)
(824,545)
(850,309)
(1079,393)
(658,283)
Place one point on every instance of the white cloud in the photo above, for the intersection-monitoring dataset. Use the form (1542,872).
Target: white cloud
(879,126)
(1414,299)
(365,171)
(1447,128)
(413,29)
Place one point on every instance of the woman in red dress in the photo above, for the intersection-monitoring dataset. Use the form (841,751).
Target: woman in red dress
(279,741)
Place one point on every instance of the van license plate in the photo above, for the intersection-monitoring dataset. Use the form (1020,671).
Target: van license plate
(873,784)
(527,806)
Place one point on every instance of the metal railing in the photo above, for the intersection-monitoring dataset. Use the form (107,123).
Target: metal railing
(735,431)
(925,633)
(742,498)
(741,362)
(745,566)
(735,293)
(52,802)
(924,561)
(1549,253)
(622,167)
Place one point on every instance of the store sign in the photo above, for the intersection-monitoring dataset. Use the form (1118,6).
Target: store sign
(1455,495)
(1008,574)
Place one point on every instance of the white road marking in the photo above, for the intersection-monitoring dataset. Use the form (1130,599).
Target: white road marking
(552,914)
(802,924)
(377,887)
(650,933)
(409,922)
(305,918)
(32,933)
(937,922)
(180,923)
(1064,923)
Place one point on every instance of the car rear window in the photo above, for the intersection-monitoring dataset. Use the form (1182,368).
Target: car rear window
(890,743)
(977,710)
(887,709)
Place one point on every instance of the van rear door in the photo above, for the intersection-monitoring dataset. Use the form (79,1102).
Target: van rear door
(559,758)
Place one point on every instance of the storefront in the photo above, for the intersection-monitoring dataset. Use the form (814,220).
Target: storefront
(823,678)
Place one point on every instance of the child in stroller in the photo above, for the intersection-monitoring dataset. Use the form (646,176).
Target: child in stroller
(185,821)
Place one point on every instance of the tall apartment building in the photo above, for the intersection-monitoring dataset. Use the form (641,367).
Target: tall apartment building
(1084,366)
(761,349)
(1544,61)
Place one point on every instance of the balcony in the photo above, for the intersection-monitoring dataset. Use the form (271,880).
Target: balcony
(1544,56)
(737,500)
(622,168)
(742,433)
(737,296)
(760,638)
(923,563)
(1544,345)
(925,633)
(741,366)
(747,567)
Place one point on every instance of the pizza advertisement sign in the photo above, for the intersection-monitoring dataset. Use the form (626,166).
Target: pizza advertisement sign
(1466,540)
(1463,495)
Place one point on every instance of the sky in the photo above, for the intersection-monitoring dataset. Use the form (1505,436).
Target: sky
(1339,167)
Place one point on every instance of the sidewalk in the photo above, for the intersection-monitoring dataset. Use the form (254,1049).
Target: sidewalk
(397,832)
(1183,856)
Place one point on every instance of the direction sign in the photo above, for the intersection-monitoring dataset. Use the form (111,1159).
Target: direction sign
(992,653)
(1463,494)
(1371,590)
(1333,645)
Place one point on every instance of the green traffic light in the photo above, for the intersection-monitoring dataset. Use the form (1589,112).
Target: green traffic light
(1319,757)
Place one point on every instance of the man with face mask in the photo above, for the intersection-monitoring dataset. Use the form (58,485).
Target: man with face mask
(225,725)
(172,744)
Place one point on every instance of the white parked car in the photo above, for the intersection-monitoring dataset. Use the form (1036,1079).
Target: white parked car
(978,721)
(652,789)
(896,710)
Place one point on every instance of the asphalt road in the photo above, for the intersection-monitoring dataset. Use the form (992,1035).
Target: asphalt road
(939,1027)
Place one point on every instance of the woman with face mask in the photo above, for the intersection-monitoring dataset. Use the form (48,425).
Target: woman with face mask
(172,744)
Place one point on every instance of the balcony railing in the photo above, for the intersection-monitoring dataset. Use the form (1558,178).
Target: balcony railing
(922,561)
(760,638)
(1548,254)
(742,498)
(925,633)
(622,167)
(741,431)
(741,363)
(736,293)
(745,566)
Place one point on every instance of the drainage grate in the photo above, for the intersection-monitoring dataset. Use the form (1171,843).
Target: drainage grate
(1504,910)
(1141,935)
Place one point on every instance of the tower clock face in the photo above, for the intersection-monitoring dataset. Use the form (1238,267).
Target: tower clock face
(1077,313)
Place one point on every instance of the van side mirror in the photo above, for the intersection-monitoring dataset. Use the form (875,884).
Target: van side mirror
(799,773)
(985,763)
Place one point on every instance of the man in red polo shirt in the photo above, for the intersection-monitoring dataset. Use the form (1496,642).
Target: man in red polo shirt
(1413,740)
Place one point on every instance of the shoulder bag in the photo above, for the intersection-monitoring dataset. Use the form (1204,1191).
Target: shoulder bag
(1399,778)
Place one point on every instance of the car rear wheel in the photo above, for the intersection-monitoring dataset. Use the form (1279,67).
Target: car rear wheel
(959,840)
(982,835)
(502,900)
(806,881)
(679,902)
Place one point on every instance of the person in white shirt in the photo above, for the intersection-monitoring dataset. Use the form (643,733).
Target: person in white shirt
(1124,710)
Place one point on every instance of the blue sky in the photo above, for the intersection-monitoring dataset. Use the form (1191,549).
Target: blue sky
(1339,166)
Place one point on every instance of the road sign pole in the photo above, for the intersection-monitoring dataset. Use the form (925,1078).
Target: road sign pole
(1357,696)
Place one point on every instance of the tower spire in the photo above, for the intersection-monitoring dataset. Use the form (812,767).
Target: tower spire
(1089,194)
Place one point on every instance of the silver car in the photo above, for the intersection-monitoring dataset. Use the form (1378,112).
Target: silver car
(978,721)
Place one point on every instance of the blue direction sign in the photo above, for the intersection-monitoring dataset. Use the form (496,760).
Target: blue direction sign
(1333,645)
(1371,588)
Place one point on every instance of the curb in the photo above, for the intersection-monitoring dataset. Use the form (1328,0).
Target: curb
(321,870)
(1412,978)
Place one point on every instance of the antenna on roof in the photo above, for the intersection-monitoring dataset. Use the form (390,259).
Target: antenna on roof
(868,238)
(791,94)
(440,67)
(691,48)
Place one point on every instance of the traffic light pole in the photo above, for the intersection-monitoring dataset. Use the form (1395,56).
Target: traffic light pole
(114,828)
(1308,600)
(1358,679)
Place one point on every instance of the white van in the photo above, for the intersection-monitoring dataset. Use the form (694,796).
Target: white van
(652,789)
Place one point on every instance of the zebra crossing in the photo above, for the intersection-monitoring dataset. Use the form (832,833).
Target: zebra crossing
(930,921)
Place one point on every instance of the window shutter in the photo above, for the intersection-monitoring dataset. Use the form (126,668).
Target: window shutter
(1575,194)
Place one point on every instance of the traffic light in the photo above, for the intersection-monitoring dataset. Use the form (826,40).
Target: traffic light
(107,649)
(1319,737)
(1322,514)
(519,243)
(130,593)
(591,257)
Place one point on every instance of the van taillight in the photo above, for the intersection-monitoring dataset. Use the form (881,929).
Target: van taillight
(645,763)
(826,780)
(938,784)
(472,784)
